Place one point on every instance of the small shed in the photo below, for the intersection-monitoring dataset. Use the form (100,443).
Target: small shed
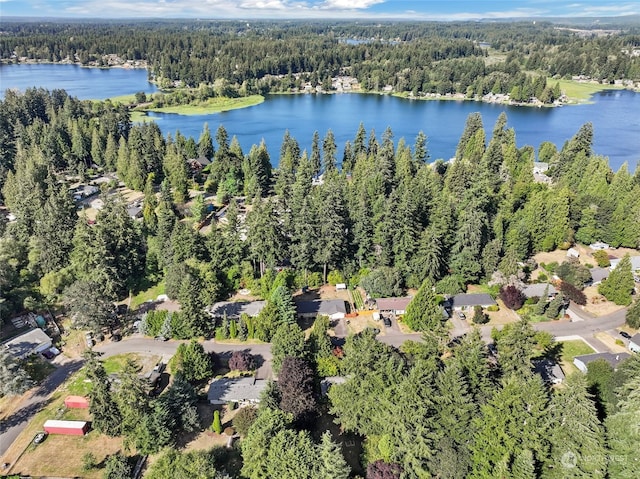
(573,253)
(76,402)
(66,428)
(341,287)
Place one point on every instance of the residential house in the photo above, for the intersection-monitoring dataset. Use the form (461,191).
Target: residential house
(240,391)
(549,370)
(598,275)
(32,342)
(634,343)
(614,359)
(84,191)
(635,266)
(334,308)
(196,165)
(537,291)
(469,301)
(397,306)
(134,211)
(233,310)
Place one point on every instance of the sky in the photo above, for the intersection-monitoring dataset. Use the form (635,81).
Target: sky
(338,9)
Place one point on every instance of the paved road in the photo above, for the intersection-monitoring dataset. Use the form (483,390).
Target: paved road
(10,429)
(13,426)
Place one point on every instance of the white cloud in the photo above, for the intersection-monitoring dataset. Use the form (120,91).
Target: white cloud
(350,4)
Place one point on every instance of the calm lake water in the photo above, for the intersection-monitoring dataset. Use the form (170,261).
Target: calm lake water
(615,114)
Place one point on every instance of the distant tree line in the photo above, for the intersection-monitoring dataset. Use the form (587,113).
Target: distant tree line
(425,57)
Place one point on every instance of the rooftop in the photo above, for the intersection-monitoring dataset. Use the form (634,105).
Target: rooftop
(322,306)
(236,390)
(236,309)
(635,263)
(550,371)
(635,339)
(465,300)
(538,289)
(26,343)
(598,274)
(393,304)
(612,358)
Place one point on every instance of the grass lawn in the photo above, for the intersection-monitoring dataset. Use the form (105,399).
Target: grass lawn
(212,105)
(140,117)
(59,456)
(571,349)
(581,91)
(150,294)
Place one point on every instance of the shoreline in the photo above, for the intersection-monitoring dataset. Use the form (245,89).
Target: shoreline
(581,92)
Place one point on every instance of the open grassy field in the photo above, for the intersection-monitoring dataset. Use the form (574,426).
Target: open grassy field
(212,105)
(150,294)
(571,349)
(581,91)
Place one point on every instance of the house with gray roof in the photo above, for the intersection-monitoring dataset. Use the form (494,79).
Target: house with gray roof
(550,371)
(236,390)
(471,300)
(32,342)
(234,310)
(334,308)
(614,359)
(598,275)
(537,290)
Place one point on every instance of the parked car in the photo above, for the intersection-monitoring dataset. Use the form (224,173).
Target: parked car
(160,338)
(158,368)
(387,322)
(625,335)
(48,354)
(39,437)
(461,315)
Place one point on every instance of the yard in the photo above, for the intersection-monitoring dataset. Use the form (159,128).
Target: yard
(571,349)
(61,456)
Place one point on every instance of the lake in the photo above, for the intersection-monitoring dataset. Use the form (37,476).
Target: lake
(615,114)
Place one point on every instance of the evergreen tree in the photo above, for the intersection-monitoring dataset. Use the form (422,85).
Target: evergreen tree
(331,461)
(329,152)
(255,447)
(619,285)
(288,341)
(316,160)
(216,425)
(424,312)
(632,316)
(283,301)
(513,421)
(576,435)
(623,434)
(205,143)
(14,380)
(105,412)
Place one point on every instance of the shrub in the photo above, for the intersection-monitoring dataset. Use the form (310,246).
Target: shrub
(242,361)
(383,470)
(493,308)
(243,419)
(602,258)
(542,278)
(89,462)
(478,316)
(216,425)
(513,298)
(335,277)
(573,293)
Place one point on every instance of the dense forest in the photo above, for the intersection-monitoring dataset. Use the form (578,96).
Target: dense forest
(468,58)
(380,210)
